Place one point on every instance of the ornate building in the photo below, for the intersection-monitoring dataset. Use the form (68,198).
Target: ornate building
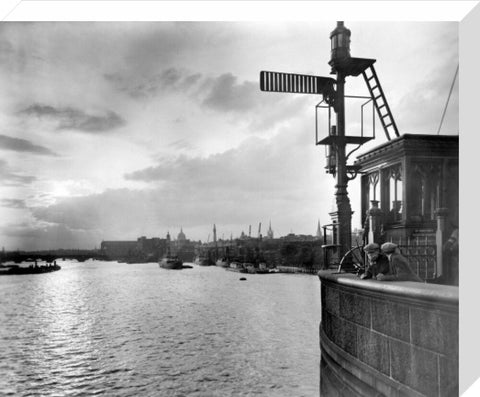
(183,248)
(409,189)
(270,231)
(181,236)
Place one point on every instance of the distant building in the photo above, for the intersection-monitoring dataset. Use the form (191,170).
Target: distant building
(270,231)
(297,237)
(118,250)
(181,236)
(319,231)
(183,248)
(142,250)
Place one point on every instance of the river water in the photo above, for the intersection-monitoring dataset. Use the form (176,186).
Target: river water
(111,329)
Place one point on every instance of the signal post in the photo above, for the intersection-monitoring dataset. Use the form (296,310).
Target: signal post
(333,91)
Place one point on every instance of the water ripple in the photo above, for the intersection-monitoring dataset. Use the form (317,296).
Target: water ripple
(102,328)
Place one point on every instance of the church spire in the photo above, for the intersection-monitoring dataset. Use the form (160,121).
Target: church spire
(270,231)
(319,230)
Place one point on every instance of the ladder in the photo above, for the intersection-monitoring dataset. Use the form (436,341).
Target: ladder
(380,102)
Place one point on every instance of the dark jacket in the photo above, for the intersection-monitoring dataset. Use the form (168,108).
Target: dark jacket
(380,265)
(400,269)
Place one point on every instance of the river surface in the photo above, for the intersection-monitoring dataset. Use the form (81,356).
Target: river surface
(112,329)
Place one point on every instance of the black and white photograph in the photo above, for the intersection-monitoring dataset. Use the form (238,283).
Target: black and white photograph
(238,207)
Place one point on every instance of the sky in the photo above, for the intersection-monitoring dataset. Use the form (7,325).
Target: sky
(116,130)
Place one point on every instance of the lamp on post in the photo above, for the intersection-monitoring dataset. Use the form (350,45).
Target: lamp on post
(333,92)
(331,156)
(340,40)
(340,56)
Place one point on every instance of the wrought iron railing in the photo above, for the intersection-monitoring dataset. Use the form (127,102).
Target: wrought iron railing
(421,253)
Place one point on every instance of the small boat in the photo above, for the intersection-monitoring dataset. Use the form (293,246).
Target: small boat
(203,261)
(236,267)
(262,268)
(222,262)
(32,269)
(171,262)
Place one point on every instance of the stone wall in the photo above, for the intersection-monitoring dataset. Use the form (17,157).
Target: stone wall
(387,338)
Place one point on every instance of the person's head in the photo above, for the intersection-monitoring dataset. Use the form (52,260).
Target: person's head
(372,250)
(389,248)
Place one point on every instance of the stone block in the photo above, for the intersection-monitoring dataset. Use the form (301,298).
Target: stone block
(343,334)
(391,319)
(336,330)
(414,367)
(434,330)
(332,300)
(349,338)
(373,350)
(385,389)
(327,323)
(329,384)
(448,377)
(355,308)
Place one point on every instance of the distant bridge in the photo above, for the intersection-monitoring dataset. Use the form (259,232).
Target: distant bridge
(51,256)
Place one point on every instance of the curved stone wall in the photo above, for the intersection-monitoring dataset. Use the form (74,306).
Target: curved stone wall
(387,338)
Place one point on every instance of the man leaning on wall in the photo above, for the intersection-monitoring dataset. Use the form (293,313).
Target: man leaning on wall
(377,262)
(399,268)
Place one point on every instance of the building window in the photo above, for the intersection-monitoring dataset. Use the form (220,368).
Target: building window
(373,186)
(393,193)
(426,182)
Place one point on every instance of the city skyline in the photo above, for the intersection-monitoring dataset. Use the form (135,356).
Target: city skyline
(112,131)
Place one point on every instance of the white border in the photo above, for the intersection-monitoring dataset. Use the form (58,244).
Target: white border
(66,10)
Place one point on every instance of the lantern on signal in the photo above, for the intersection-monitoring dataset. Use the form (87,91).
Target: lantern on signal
(340,40)
(331,155)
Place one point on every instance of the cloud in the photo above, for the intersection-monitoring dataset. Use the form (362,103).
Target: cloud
(22,145)
(69,118)
(10,178)
(430,96)
(222,93)
(6,49)
(48,236)
(140,87)
(261,111)
(13,203)
(236,187)
(248,167)
(117,213)
(181,144)
(225,94)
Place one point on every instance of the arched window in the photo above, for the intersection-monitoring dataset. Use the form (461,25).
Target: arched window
(394,192)
(427,186)
(373,186)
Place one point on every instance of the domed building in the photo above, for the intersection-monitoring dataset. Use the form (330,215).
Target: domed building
(181,236)
(184,248)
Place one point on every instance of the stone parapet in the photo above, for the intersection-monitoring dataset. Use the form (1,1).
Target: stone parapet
(387,338)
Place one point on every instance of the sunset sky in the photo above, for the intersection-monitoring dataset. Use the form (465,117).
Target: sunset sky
(115,130)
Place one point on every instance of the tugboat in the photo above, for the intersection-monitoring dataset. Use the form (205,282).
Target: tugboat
(236,266)
(222,262)
(203,261)
(170,261)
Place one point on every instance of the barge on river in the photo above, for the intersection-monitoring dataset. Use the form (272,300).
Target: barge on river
(32,269)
